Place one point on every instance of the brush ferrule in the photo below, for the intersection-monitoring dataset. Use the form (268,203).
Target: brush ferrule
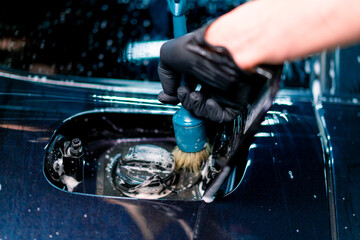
(190,132)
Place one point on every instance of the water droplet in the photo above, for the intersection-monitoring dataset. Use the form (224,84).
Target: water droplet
(85,215)
(315,196)
(297,230)
(291,175)
(38,209)
(50,236)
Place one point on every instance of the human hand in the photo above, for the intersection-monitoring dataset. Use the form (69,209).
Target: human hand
(226,89)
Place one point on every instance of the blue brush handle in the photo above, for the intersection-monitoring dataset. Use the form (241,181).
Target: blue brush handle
(190,132)
(179,23)
(178,8)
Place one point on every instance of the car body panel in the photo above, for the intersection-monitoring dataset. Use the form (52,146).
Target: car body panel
(342,118)
(282,194)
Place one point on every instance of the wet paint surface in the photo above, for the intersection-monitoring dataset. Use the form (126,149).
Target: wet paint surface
(343,124)
(33,209)
(282,195)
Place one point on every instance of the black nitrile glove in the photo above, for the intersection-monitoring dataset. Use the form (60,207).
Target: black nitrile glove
(226,89)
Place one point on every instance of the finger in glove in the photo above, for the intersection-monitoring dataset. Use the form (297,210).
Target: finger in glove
(168,99)
(203,107)
(170,80)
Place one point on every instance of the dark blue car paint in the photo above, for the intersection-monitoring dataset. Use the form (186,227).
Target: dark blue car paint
(342,118)
(282,194)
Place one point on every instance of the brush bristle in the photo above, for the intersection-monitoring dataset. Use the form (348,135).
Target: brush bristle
(190,162)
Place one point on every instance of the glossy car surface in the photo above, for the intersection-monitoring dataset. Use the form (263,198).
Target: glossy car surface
(282,194)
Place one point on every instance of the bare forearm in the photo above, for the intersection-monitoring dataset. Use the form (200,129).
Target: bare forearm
(273,31)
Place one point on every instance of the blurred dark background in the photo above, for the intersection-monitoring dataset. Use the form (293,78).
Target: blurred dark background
(92,38)
(120,39)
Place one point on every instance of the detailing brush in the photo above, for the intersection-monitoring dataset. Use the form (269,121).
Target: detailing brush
(192,149)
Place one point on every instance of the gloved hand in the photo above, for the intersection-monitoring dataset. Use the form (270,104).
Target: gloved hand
(226,89)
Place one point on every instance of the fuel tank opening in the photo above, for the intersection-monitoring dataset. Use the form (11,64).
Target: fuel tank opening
(118,154)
